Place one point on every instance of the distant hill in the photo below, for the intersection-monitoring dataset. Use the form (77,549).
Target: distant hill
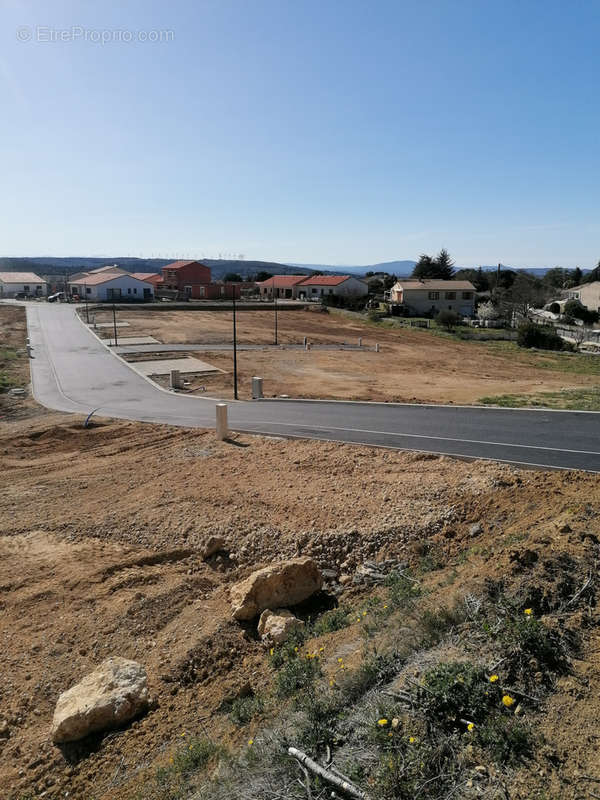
(400,268)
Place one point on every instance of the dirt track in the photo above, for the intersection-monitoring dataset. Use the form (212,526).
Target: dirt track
(413,366)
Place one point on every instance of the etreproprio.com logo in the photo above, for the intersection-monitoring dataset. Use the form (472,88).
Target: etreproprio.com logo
(78,33)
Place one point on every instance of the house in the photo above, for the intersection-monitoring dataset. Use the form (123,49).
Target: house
(22,283)
(192,280)
(430,296)
(115,286)
(318,286)
(155,278)
(280,286)
(588,295)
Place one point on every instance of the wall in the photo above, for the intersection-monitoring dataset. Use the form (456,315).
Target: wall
(132,290)
(193,274)
(12,289)
(350,287)
(418,300)
(589,295)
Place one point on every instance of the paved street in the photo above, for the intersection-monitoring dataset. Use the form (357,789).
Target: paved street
(73,371)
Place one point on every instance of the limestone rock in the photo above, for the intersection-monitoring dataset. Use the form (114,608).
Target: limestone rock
(276,625)
(106,698)
(283,584)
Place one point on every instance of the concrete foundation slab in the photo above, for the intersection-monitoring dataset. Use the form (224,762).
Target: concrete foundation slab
(110,325)
(128,340)
(183,365)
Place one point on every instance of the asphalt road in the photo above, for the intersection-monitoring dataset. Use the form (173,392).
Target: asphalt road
(72,371)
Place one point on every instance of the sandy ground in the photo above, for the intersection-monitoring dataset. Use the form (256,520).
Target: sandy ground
(99,555)
(412,366)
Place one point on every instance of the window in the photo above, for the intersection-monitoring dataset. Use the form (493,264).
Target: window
(450,295)
(434,295)
(134,290)
(88,290)
(25,288)
(129,290)
(467,295)
(313,290)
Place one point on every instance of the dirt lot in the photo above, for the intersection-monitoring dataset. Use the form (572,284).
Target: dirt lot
(412,366)
(99,556)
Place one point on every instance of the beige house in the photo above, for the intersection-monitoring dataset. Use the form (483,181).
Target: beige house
(432,296)
(588,295)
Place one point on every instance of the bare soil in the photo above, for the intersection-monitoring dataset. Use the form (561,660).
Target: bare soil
(100,541)
(412,365)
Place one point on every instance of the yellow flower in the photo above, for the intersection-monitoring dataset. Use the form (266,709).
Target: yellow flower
(191,747)
(493,678)
(528,611)
(412,739)
(250,742)
(332,682)
(508,700)
(364,613)
(295,649)
(340,660)
(321,649)
(390,734)
(382,722)
(358,619)
(171,760)
(183,734)
(271,651)
(385,605)
(470,726)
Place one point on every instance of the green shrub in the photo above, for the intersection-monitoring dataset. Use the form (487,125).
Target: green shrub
(436,623)
(194,755)
(541,336)
(506,739)
(402,590)
(297,673)
(448,319)
(523,637)
(575,309)
(331,621)
(454,694)
(243,709)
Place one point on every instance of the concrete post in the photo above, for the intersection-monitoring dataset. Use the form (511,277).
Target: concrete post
(377,347)
(257,388)
(175,379)
(29,349)
(305,341)
(221,421)
(360,341)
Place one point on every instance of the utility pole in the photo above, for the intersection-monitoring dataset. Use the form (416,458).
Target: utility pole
(87,311)
(275,300)
(115,324)
(235,376)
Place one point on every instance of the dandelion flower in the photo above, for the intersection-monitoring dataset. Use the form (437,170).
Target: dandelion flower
(382,722)
(390,734)
(411,739)
(364,613)
(250,742)
(271,651)
(493,678)
(295,649)
(385,605)
(528,611)
(321,649)
(508,700)
(470,726)
(340,660)
(183,734)
(332,682)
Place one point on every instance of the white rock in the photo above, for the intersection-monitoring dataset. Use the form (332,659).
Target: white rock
(114,693)
(277,625)
(284,584)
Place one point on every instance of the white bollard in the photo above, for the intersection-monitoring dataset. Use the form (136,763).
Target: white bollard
(175,381)
(29,349)
(257,388)
(221,421)
(305,341)
(377,347)
(360,341)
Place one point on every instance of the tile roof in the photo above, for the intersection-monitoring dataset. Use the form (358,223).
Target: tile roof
(104,277)
(20,277)
(150,277)
(282,281)
(432,284)
(325,280)
(180,264)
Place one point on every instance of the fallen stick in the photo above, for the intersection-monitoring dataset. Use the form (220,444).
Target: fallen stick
(341,784)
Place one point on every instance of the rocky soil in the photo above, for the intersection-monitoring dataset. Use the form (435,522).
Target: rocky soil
(104,551)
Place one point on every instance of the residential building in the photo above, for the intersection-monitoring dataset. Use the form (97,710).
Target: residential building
(192,280)
(318,286)
(429,296)
(22,283)
(280,286)
(588,295)
(111,286)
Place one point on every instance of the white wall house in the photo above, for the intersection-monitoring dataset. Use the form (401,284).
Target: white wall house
(110,286)
(27,283)
(588,295)
(433,296)
(318,286)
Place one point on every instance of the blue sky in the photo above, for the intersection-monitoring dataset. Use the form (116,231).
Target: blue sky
(302,130)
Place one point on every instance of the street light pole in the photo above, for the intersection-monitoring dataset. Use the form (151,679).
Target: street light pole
(275,299)
(87,311)
(115,324)
(235,376)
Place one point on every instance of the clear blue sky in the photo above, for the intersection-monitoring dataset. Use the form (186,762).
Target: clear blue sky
(303,130)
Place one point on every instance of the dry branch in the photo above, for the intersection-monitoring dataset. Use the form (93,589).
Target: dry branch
(342,785)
